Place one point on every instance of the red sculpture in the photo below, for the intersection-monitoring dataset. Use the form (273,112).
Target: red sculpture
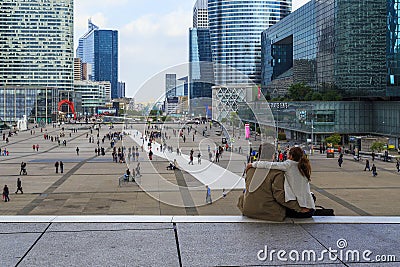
(70,104)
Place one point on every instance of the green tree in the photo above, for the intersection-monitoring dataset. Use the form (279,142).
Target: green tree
(154,112)
(332,95)
(298,91)
(377,146)
(316,96)
(334,139)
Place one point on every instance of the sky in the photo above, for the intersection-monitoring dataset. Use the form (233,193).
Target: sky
(153,36)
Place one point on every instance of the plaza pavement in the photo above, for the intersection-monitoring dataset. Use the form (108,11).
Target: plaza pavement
(89,185)
(43,234)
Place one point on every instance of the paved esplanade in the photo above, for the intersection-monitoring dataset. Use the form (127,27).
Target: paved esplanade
(207,172)
(89,184)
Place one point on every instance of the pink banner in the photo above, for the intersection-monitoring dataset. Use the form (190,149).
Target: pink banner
(247,129)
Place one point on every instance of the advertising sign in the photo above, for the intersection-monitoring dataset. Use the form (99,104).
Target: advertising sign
(247,130)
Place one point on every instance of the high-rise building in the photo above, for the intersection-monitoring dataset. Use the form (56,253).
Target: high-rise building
(201,71)
(393,48)
(170,85)
(121,90)
(326,47)
(99,48)
(87,71)
(78,71)
(36,43)
(348,47)
(200,14)
(184,86)
(235,31)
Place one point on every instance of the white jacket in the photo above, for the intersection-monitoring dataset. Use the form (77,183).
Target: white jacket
(297,187)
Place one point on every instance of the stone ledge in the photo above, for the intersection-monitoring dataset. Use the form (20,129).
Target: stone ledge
(196,219)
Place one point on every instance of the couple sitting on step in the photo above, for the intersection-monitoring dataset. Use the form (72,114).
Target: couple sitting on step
(275,190)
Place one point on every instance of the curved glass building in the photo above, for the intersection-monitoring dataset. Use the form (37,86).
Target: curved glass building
(235,31)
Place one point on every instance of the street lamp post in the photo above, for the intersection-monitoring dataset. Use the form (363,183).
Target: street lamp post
(312,137)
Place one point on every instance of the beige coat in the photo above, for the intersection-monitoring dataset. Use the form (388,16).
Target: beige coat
(267,202)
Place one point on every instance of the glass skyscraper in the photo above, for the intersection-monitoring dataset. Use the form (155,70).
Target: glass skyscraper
(393,48)
(235,32)
(200,57)
(335,44)
(170,85)
(36,43)
(99,48)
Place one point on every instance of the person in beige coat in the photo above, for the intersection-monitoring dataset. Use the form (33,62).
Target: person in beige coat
(264,197)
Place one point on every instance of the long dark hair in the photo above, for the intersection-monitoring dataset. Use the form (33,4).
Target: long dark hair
(304,164)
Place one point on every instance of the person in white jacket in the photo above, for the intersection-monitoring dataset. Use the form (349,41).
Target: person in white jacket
(297,178)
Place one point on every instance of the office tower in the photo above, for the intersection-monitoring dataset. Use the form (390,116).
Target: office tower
(393,48)
(99,48)
(36,43)
(36,57)
(121,90)
(235,32)
(348,47)
(78,72)
(87,71)
(170,85)
(349,53)
(201,71)
(185,85)
(200,14)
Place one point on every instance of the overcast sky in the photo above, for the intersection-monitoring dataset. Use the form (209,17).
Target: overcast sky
(153,34)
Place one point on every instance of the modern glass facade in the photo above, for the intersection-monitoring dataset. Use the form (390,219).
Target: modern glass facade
(348,118)
(235,32)
(93,95)
(201,78)
(38,104)
(36,43)
(337,44)
(393,48)
(99,48)
(170,85)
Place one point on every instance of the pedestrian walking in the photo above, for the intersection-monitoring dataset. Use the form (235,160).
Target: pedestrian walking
(6,194)
(19,186)
(138,170)
(56,165)
(374,173)
(398,166)
(208,195)
(199,158)
(37,147)
(61,167)
(367,165)
(340,160)
(223,193)
(77,151)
